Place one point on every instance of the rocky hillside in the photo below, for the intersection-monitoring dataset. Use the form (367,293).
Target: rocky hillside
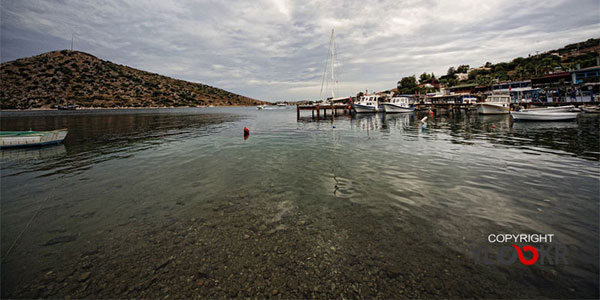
(77,78)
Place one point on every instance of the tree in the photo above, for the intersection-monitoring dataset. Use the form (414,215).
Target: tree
(407,85)
(547,64)
(473,75)
(452,81)
(488,64)
(451,72)
(520,72)
(484,80)
(424,78)
(462,69)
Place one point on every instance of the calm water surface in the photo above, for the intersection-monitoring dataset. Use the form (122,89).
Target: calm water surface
(149,203)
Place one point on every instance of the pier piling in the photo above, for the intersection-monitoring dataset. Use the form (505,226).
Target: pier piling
(317,108)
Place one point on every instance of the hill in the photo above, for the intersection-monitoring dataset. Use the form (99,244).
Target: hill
(77,78)
(570,57)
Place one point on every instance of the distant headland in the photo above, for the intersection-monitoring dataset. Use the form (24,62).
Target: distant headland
(74,78)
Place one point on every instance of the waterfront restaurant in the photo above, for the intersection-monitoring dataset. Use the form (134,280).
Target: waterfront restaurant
(586,84)
(578,85)
(520,91)
(586,75)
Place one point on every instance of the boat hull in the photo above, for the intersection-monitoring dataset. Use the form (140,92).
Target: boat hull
(543,116)
(391,108)
(550,109)
(364,108)
(492,109)
(67,107)
(32,139)
(591,110)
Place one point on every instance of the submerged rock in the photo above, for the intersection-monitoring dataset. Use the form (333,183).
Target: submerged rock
(60,239)
(84,276)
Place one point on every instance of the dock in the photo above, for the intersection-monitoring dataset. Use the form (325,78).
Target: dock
(334,110)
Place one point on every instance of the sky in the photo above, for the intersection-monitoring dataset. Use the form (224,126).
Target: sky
(277,49)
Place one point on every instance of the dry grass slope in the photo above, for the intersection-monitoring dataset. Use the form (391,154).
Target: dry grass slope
(73,77)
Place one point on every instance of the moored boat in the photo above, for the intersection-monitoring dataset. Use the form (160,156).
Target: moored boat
(31,138)
(565,108)
(543,116)
(494,104)
(67,107)
(591,109)
(397,105)
(367,104)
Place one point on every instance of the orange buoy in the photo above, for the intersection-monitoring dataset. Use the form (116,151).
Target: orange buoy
(246,131)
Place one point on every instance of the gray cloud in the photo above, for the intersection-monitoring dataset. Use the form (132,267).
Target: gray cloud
(275,49)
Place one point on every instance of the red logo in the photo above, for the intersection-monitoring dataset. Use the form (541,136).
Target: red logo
(527,248)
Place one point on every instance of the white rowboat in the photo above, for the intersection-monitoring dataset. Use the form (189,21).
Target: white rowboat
(543,116)
(31,138)
(566,108)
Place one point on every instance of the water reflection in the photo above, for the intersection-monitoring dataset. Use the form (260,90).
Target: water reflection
(578,138)
(33,153)
(96,136)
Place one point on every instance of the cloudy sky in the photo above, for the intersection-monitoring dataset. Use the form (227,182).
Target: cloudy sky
(276,49)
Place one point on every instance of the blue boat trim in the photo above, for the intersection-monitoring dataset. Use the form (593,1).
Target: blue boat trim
(364,106)
(31,145)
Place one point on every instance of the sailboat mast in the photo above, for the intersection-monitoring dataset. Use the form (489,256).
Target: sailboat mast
(71,42)
(325,68)
(333,84)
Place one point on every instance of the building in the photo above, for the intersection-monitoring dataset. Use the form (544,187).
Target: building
(587,75)
(521,91)
(462,76)
(578,85)
(551,81)
(463,88)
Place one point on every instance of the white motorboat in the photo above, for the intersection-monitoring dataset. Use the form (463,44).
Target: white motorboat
(494,104)
(31,138)
(591,109)
(397,105)
(543,116)
(260,107)
(565,108)
(367,104)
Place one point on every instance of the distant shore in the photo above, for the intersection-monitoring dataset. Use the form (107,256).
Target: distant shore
(125,107)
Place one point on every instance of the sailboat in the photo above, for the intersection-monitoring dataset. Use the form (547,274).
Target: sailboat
(330,55)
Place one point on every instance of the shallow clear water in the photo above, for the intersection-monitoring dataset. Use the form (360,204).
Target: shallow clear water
(176,202)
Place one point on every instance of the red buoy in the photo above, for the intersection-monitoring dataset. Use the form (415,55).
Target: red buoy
(246,131)
(431,113)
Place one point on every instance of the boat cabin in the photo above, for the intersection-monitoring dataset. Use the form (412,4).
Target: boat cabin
(400,101)
(495,98)
(372,100)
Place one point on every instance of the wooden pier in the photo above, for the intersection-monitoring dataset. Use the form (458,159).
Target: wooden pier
(334,109)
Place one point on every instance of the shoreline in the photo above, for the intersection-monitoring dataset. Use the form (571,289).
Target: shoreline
(119,108)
